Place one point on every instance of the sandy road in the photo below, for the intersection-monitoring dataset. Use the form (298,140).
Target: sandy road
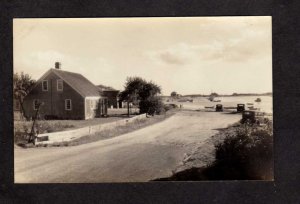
(142,155)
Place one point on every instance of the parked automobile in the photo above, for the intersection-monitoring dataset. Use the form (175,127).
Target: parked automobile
(219,108)
(240,107)
(255,117)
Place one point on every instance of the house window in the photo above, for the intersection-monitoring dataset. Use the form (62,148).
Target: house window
(68,104)
(59,85)
(35,104)
(45,85)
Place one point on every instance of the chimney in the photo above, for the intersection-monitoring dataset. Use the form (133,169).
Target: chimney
(57,65)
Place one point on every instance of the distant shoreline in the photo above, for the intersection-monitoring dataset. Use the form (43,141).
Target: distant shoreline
(232,95)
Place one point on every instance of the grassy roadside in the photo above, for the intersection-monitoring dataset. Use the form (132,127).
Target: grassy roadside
(106,134)
(23,128)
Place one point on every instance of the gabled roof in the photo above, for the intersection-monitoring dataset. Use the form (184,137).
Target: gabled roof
(78,82)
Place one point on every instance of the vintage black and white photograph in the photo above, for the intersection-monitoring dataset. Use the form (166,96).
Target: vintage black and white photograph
(142,99)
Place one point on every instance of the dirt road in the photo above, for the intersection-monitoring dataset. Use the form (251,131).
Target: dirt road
(152,152)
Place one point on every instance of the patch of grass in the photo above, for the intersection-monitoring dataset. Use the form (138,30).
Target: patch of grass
(22,128)
(119,130)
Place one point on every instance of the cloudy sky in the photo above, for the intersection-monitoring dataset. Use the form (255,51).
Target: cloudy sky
(194,55)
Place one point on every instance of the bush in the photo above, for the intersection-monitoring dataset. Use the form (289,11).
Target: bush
(168,107)
(151,106)
(247,154)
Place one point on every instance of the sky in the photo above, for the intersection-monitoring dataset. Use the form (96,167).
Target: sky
(189,55)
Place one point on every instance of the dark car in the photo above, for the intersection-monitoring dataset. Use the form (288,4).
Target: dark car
(240,107)
(248,116)
(258,118)
(219,108)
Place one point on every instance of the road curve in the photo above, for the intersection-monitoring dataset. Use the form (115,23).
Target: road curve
(142,155)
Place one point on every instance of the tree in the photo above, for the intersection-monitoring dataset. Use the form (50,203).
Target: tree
(139,91)
(174,94)
(214,94)
(22,84)
(131,88)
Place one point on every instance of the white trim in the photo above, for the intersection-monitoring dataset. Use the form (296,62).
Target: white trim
(34,100)
(43,85)
(62,84)
(66,104)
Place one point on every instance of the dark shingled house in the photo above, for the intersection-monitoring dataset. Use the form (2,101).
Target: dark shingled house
(65,95)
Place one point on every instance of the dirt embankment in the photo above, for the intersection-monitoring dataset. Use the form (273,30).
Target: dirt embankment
(194,164)
(239,152)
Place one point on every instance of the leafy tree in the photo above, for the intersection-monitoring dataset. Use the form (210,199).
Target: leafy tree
(131,90)
(174,94)
(151,105)
(214,94)
(143,93)
(22,84)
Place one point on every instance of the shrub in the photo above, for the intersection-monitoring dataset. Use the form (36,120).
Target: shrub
(151,106)
(246,154)
(168,107)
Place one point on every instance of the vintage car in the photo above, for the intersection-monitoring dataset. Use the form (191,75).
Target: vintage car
(240,107)
(255,117)
(219,108)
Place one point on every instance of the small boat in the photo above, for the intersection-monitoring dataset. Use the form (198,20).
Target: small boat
(258,100)
(216,100)
(249,103)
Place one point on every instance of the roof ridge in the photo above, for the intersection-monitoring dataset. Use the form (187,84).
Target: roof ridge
(59,70)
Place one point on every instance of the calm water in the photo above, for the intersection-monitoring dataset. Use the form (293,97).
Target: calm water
(266,104)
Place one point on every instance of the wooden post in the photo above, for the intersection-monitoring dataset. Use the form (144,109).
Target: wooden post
(32,134)
(128,108)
